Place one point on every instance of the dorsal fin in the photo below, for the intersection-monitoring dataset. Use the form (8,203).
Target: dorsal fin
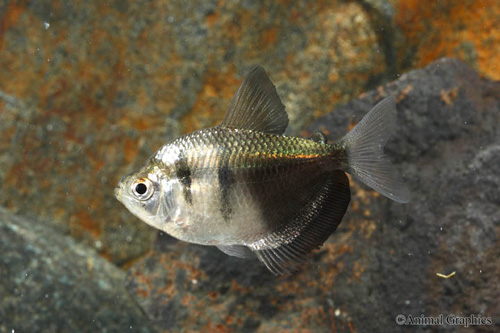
(256,105)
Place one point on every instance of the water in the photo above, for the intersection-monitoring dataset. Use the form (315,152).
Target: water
(88,91)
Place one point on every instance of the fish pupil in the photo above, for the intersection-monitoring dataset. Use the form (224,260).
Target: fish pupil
(141,188)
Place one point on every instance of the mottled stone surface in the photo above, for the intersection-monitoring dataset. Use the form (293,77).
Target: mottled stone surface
(383,259)
(89,90)
(469,30)
(48,283)
(448,146)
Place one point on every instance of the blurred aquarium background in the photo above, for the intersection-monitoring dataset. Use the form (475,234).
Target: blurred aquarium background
(90,89)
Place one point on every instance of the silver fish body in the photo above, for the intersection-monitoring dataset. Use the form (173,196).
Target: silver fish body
(223,178)
(245,188)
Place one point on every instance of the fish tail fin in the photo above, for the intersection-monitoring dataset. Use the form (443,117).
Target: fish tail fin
(365,159)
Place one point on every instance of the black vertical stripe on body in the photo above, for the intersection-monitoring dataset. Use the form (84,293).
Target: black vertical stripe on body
(226,180)
(183,173)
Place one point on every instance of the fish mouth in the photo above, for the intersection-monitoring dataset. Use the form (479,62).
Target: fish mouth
(118,193)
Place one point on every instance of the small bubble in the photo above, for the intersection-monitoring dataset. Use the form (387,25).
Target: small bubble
(170,19)
(46,295)
(46,25)
(48,60)
(49,127)
(128,239)
(194,281)
(407,302)
(98,245)
(480,271)
(337,313)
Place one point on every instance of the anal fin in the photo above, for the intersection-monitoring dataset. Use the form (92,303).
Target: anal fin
(286,249)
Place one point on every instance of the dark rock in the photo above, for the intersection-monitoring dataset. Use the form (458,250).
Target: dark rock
(446,144)
(48,283)
(383,259)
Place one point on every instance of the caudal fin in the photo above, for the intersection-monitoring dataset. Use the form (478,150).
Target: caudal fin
(365,157)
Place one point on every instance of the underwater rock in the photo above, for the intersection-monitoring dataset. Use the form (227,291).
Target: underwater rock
(447,145)
(448,29)
(48,283)
(88,89)
(383,259)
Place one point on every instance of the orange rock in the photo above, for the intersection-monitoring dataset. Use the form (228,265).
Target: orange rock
(469,30)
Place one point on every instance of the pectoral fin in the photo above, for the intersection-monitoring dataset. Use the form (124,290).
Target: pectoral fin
(239,251)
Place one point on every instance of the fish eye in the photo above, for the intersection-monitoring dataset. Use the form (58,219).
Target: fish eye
(142,188)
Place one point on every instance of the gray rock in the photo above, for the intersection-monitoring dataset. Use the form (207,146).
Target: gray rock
(383,259)
(48,283)
(447,144)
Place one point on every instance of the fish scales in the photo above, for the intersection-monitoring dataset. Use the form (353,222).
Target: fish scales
(208,148)
(246,158)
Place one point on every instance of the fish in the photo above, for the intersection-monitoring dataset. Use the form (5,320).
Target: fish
(246,188)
